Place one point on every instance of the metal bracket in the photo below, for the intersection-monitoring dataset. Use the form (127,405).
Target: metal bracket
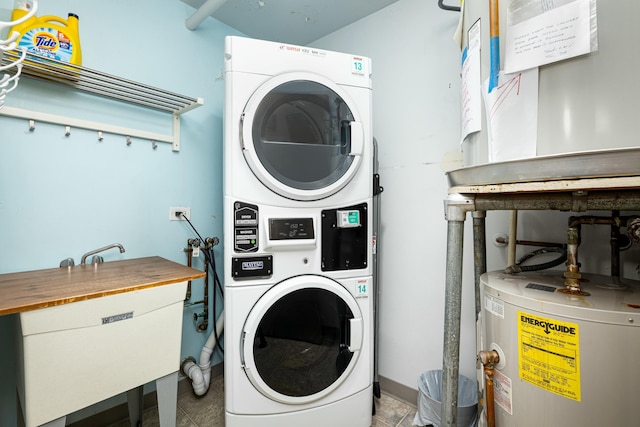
(377,189)
(579,201)
(457,205)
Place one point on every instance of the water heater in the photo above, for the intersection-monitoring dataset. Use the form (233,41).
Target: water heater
(585,103)
(566,359)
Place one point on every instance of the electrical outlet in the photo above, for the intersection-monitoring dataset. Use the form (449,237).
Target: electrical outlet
(174,214)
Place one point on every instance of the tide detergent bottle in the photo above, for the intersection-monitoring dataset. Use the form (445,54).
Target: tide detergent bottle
(48,36)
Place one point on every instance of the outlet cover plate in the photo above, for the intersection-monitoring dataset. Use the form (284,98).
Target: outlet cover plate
(173,214)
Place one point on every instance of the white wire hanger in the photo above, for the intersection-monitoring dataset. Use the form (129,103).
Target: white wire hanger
(9,82)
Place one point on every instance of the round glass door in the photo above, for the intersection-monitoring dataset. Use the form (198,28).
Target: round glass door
(302,339)
(301,137)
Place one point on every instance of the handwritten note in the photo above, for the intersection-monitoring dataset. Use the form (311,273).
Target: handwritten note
(560,33)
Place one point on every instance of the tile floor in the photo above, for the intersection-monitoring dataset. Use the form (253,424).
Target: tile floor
(208,411)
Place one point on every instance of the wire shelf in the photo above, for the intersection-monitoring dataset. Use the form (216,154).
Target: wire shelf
(102,84)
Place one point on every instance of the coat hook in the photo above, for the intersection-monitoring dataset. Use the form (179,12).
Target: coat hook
(153,144)
(32,125)
(128,140)
(67,130)
(100,138)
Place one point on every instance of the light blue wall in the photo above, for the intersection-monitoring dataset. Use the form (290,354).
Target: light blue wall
(63,196)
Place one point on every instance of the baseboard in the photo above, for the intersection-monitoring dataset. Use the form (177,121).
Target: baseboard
(399,391)
(120,412)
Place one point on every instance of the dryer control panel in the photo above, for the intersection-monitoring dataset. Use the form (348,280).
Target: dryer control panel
(245,227)
(291,228)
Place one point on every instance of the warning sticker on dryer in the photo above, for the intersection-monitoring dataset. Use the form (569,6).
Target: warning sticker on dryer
(549,354)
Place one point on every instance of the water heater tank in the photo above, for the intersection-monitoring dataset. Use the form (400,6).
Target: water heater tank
(565,359)
(585,103)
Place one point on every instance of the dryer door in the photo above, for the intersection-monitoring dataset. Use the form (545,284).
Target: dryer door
(301,136)
(302,339)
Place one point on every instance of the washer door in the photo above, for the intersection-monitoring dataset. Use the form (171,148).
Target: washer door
(302,136)
(302,339)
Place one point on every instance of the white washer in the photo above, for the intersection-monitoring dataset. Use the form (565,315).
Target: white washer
(299,353)
(298,233)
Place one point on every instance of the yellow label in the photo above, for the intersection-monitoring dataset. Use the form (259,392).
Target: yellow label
(549,354)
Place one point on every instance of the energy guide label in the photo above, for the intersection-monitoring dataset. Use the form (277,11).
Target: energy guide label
(549,354)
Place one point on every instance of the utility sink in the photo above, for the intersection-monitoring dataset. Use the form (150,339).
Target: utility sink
(89,332)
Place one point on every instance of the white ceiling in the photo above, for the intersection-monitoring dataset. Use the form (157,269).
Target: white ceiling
(292,21)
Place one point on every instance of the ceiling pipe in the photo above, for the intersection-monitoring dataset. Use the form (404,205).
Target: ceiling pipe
(206,10)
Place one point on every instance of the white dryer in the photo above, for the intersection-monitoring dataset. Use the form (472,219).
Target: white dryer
(298,169)
(297,124)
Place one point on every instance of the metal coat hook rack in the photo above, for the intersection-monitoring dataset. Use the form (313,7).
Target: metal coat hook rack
(104,85)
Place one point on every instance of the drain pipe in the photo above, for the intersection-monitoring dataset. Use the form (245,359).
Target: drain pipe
(200,374)
(489,359)
(202,13)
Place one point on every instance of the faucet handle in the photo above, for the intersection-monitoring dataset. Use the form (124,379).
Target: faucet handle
(97,259)
(67,262)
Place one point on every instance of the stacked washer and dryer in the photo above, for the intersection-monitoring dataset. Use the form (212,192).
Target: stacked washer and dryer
(298,170)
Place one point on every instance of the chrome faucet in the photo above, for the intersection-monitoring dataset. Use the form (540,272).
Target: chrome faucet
(98,259)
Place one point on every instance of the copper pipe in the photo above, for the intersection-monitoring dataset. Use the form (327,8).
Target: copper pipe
(494,19)
(189,264)
(489,359)
(202,327)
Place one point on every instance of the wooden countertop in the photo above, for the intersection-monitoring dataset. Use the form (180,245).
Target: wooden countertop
(31,290)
